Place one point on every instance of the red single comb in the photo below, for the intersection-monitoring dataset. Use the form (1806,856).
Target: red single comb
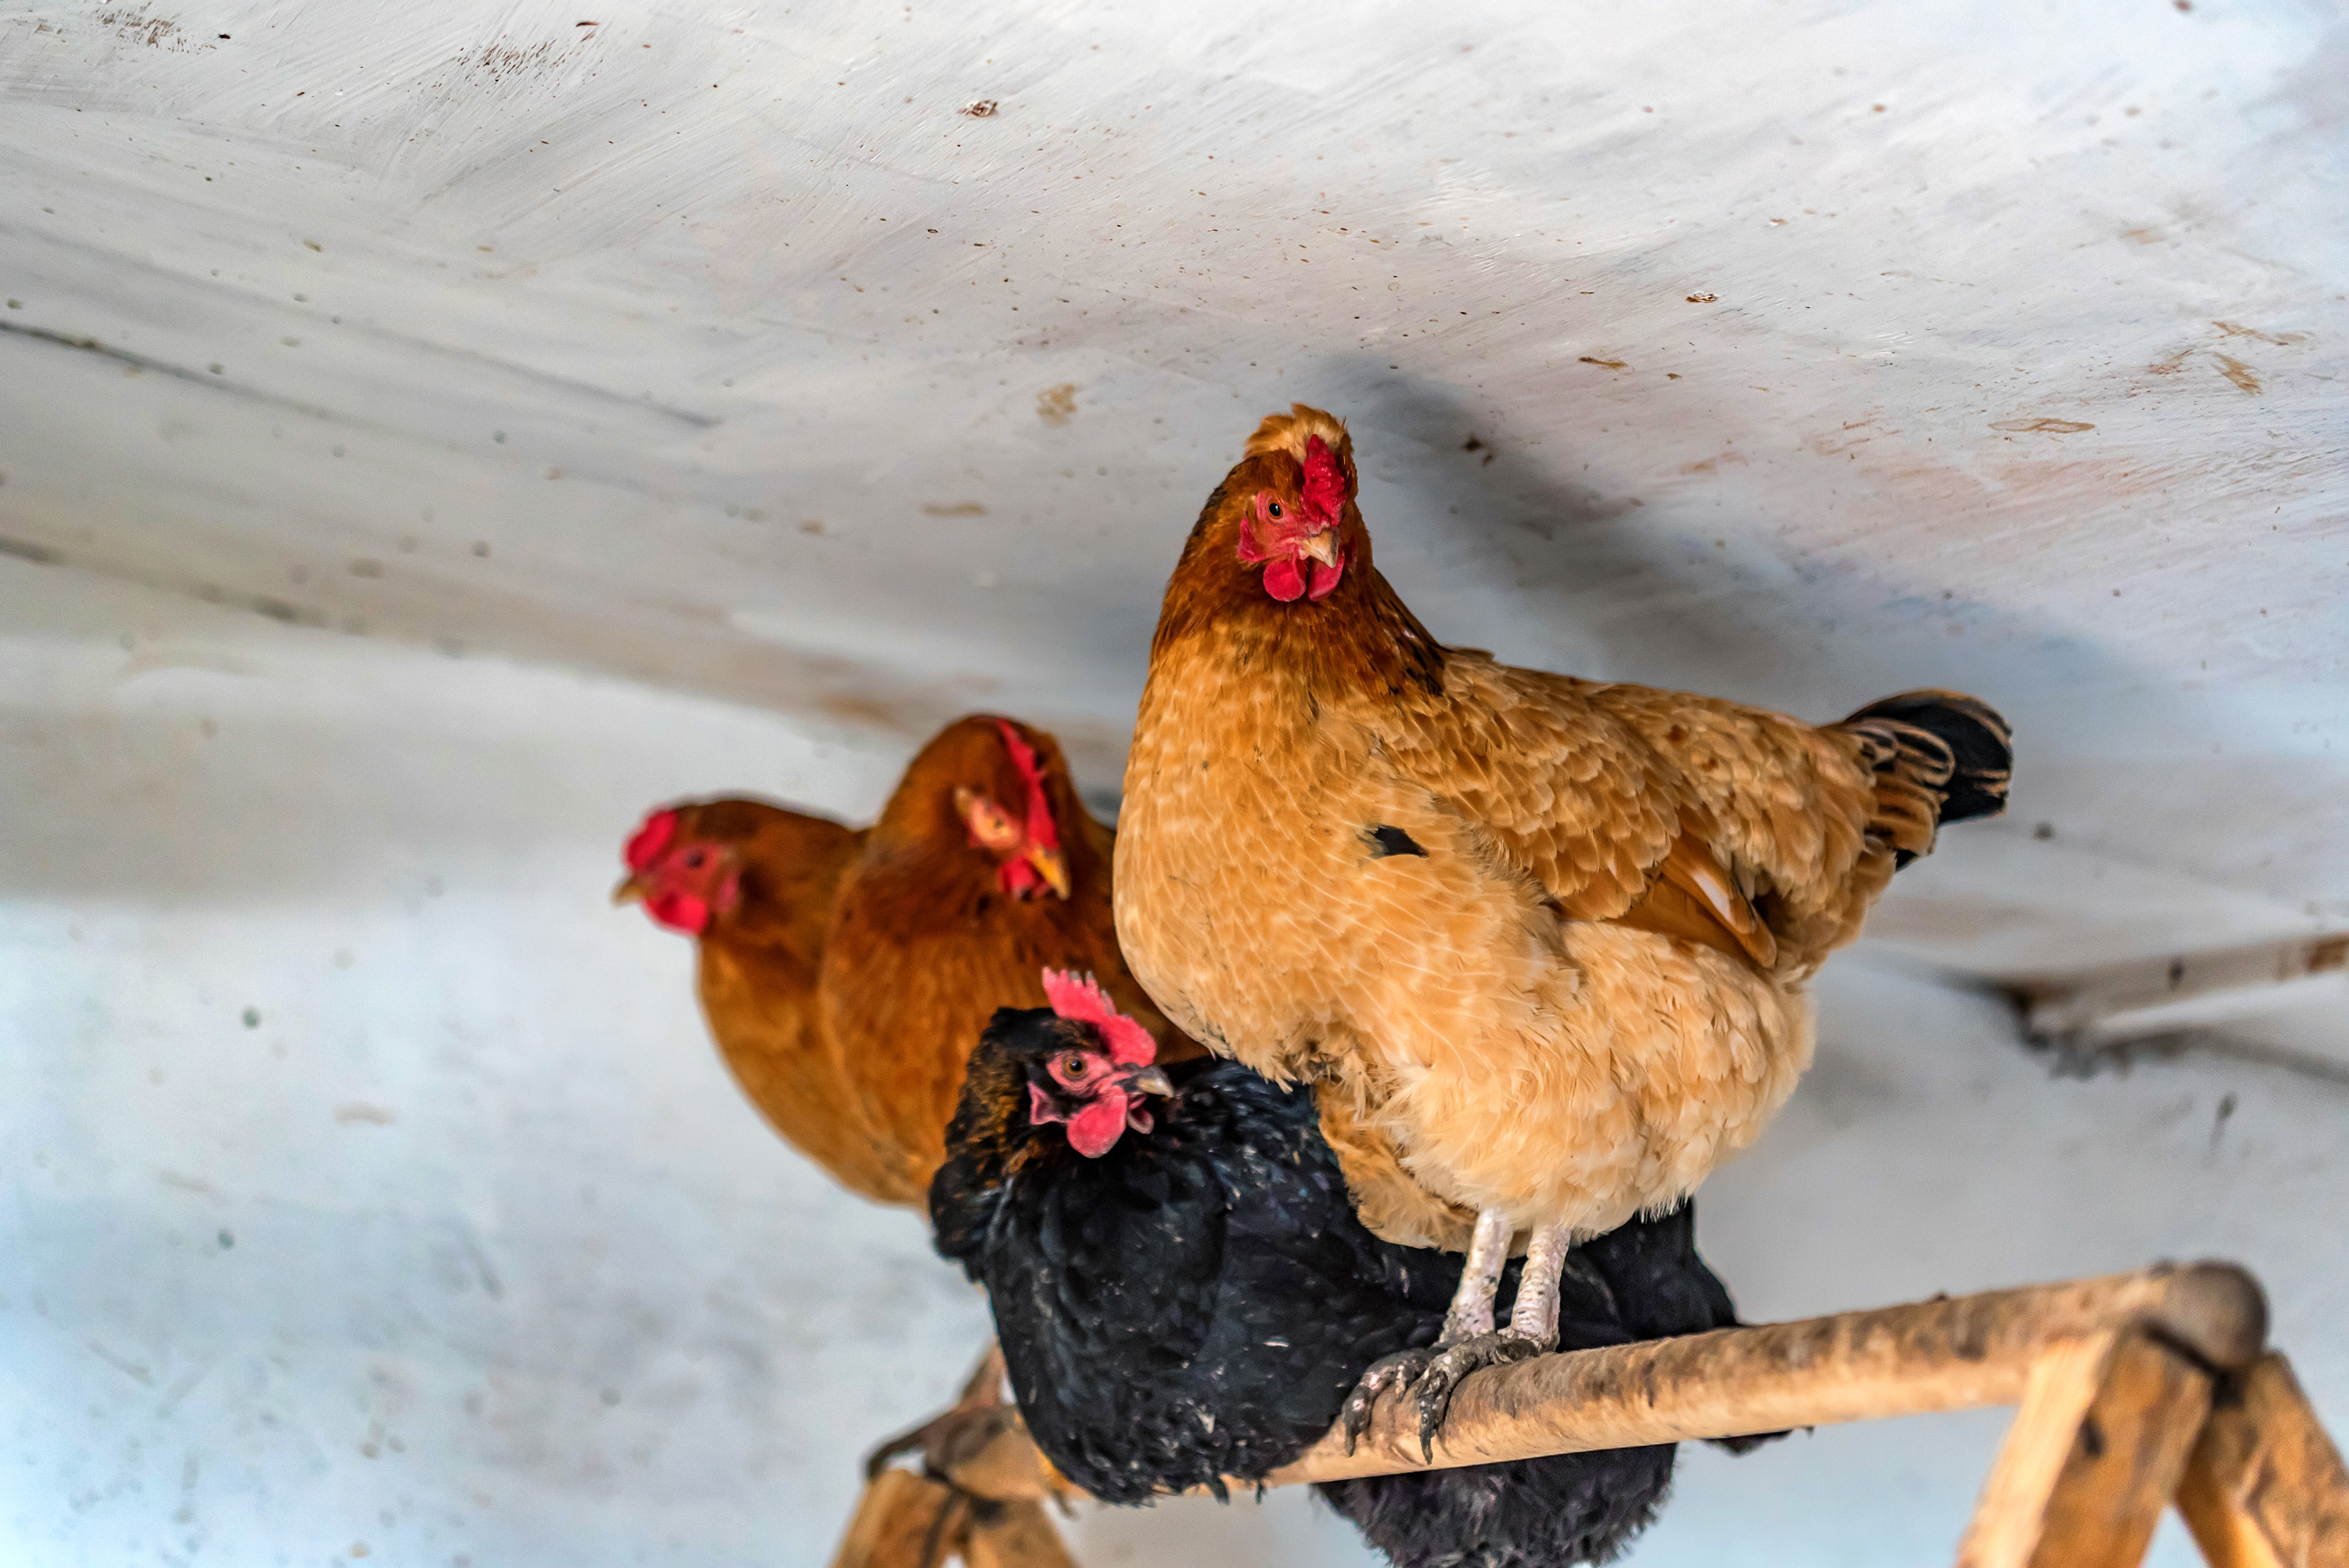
(1041,829)
(1324,494)
(650,839)
(1070,997)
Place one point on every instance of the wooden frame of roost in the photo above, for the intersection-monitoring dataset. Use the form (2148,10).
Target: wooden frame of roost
(2136,1391)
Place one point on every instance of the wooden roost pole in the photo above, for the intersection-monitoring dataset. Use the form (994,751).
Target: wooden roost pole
(1949,1354)
(2136,1390)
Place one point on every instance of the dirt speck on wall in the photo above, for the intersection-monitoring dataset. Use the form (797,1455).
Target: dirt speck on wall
(140,27)
(2240,374)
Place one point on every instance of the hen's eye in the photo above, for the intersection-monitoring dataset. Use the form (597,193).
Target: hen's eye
(1074,1066)
(1274,509)
(693,861)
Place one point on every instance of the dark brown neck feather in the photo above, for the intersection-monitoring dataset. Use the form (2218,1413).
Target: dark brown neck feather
(988,1141)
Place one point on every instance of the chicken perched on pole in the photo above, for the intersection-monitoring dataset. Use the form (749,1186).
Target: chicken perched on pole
(1541,943)
(1184,1295)
(846,973)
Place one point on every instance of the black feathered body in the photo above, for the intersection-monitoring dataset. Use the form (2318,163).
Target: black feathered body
(1195,1306)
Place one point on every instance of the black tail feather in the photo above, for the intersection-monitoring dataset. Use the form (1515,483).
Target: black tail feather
(1978,741)
(1531,1514)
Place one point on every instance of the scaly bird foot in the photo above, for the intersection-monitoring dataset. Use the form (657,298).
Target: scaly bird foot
(1400,1370)
(1435,1388)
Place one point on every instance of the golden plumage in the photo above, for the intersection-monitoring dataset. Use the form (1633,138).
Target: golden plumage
(1541,941)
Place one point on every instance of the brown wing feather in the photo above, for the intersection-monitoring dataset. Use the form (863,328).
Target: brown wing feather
(1694,899)
(1564,792)
(1591,807)
(1732,827)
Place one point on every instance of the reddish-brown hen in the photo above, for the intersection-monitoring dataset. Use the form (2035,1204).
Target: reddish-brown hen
(847,974)
(1542,942)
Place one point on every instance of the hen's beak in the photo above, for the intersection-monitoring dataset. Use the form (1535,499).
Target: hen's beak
(1323,546)
(1150,1081)
(629,891)
(1051,865)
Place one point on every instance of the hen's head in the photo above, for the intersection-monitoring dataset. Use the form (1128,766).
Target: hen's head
(1294,493)
(1080,1063)
(986,786)
(699,863)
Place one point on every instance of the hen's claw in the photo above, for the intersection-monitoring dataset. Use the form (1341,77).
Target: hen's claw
(1400,1370)
(1434,1387)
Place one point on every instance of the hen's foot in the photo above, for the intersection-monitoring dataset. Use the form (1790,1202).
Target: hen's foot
(1400,1370)
(1434,1388)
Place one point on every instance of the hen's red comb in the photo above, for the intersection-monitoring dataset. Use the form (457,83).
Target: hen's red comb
(1041,829)
(650,839)
(1324,494)
(1070,997)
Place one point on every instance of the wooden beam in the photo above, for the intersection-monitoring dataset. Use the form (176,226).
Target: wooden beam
(1942,1355)
(2092,1458)
(1948,1353)
(2265,1487)
(1000,1460)
(905,1521)
(2180,991)
(1016,1535)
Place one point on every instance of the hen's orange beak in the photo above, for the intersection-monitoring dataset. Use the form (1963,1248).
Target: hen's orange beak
(1323,546)
(629,891)
(1051,865)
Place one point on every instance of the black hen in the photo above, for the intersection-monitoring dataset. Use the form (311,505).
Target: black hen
(1195,1302)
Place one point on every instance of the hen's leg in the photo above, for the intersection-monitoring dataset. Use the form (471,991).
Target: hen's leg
(1480,1279)
(1469,1322)
(1533,1328)
(1534,1316)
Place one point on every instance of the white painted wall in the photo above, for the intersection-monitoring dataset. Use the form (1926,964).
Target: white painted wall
(598,410)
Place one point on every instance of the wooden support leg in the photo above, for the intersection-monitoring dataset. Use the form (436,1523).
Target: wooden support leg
(2094,1457)
(1017,1536)
(905,1521)
(2265,1488)
(981,1401)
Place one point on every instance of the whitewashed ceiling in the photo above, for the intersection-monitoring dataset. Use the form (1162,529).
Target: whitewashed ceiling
(870,361)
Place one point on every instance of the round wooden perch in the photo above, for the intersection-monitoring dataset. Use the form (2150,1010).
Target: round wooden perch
(2116,1378)
(1950,1353)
